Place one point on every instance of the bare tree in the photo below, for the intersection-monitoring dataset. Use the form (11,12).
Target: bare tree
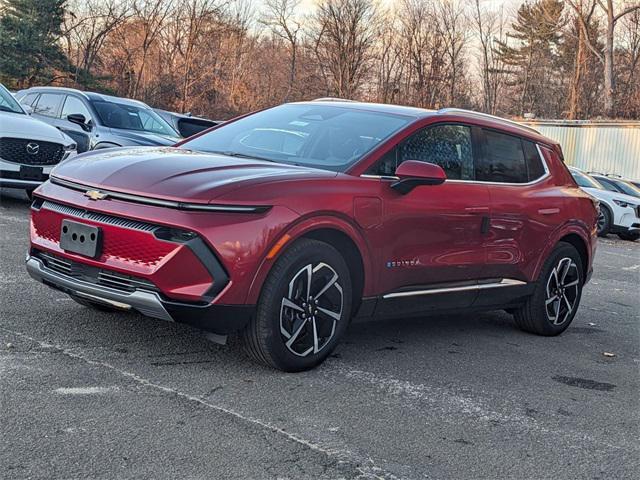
(88,26)
(344,36)
(605,56)
(455,39)
(489,27)
(280,16)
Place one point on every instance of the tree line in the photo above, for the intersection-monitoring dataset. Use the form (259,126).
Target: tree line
(219,58)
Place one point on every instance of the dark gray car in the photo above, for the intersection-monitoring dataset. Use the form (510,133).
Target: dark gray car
(98,121)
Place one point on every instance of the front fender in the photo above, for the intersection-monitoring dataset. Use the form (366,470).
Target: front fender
(299,229)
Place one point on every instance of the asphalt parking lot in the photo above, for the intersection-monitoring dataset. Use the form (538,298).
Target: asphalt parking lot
(97,395)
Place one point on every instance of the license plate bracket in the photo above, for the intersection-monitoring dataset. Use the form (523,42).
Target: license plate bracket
(31,173)
(80,238)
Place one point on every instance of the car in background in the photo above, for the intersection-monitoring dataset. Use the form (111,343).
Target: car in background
(185,123)
(619,213)
(284,224)
(617,184)
(107,121)
(29,148)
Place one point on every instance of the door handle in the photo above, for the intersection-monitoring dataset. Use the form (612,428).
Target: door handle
(548,211)
(486,223)
(477,209)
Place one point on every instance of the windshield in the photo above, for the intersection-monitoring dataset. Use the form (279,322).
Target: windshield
(627,187)
(584,180)
(8,103)
(321,136)
(131,117)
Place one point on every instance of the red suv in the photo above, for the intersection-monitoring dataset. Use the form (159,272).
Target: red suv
(284,224)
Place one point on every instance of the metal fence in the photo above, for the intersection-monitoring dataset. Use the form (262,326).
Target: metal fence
(605,147)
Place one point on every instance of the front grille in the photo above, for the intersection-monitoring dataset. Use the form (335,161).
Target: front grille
(98,217)
(97,276)
(30,152)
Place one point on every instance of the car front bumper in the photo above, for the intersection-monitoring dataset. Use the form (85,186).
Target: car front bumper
(10,176)
(220,319)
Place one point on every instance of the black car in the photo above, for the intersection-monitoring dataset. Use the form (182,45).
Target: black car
(107,121)
(185,123)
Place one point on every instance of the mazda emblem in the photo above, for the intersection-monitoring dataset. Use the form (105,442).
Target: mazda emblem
(33,148)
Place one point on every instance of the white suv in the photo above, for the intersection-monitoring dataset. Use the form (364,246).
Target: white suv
(29,148)
(619,213)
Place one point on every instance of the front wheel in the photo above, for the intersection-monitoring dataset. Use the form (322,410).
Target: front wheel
(557,294)
(604,221)
(303,310)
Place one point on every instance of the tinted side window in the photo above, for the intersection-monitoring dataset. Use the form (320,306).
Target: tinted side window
(535,168)
(504,159)
(607,184)
(29,99)
(75,105)
(48,104)
(448,146)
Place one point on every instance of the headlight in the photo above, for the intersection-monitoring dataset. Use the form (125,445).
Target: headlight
(623,204)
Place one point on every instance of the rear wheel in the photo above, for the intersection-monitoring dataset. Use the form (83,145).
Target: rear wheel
(556,297)
(304,308)
(631,236)
(604,221)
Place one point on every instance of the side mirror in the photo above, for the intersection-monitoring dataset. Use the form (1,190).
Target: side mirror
(413,174)
(79,119)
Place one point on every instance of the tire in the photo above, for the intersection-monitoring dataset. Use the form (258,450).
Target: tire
(604,221)
(292,331)
(541,314)
(630,236)
(29,193)
(94,305)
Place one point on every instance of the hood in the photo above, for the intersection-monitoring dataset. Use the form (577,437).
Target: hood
(176,174)
(25,126)
(146,138)
(609,195)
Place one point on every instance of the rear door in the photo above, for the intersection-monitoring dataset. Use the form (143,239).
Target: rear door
(74,105)
(526,206)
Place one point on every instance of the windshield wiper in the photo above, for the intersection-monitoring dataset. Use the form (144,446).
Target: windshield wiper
(241,155)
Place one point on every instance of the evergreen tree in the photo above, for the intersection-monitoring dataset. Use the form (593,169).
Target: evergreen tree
(537,32)
(29,49)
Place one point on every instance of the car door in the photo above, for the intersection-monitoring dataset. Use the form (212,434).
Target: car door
(434,253)
(526,205)
(74,105)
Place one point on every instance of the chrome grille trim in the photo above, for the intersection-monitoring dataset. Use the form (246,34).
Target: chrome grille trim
(98,217)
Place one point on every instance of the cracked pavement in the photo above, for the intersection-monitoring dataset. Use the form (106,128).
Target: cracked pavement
(86,394)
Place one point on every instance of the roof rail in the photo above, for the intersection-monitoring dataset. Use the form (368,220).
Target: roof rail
(331,99)
(487,116)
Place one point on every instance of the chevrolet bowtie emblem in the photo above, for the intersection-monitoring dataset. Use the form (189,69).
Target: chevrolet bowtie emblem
(95,195)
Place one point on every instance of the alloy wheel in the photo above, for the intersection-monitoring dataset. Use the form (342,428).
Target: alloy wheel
(563,289)
(602,220)
(311,310)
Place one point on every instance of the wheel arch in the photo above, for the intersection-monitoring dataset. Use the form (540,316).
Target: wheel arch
(579,244)
(575,234)
(341,234)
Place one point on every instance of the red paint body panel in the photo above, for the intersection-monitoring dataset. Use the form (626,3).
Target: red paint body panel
(434,234)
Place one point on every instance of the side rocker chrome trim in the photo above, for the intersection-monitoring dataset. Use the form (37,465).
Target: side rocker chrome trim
(505,282)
